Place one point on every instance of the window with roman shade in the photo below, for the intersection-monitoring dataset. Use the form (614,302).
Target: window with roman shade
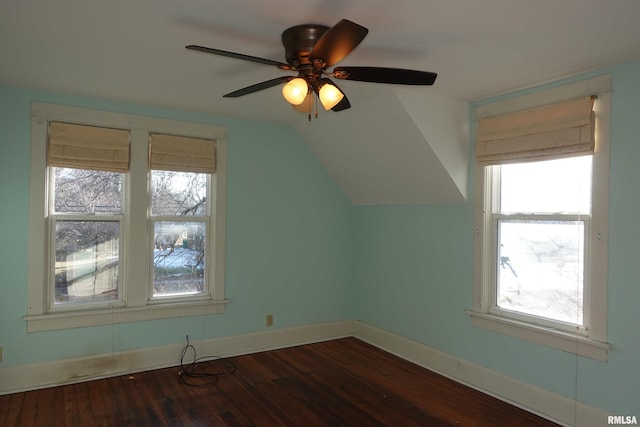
(540,222)
(182,169)
(559,130)
(87,167)
(88,147)
(181,153)
(134,212)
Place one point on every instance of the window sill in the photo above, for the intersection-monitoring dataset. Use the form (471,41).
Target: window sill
(78,319)
(550,337)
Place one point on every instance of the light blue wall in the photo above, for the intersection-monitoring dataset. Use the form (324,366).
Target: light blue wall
(415,273)
(289,249)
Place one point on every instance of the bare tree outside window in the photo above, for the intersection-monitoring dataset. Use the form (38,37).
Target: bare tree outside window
(87,207)
(87,191)
(178,193)
(179,212)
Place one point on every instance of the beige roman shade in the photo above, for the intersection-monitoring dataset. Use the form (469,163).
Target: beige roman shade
(180,153)
(88,147)
(543,133)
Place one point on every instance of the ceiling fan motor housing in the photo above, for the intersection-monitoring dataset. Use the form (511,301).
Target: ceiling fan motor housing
(299,41)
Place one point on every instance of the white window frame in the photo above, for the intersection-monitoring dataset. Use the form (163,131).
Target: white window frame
(590,341)
(206,219)
(135,304)
(54,218)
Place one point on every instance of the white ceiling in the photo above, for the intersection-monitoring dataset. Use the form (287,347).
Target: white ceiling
(133,50)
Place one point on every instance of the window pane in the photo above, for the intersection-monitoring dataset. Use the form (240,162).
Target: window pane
(178,193)
(540,268)
(87,191)
(178,258)
(562,185)
(86,265)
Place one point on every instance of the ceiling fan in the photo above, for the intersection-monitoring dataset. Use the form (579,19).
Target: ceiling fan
(309,50)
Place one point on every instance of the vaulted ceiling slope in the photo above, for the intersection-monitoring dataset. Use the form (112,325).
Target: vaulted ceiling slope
(404,148)
(396,144)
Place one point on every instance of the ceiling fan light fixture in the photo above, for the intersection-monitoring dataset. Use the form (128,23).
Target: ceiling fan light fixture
(306,106)
(295,91)
(330,96)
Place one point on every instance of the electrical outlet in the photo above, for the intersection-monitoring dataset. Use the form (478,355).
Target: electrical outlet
(269,321)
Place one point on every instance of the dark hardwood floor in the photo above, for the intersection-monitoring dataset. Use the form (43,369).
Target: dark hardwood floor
(343,382)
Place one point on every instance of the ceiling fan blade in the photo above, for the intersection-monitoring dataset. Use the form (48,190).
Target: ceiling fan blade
(235,55)
(338,42)
(385,75)
(258,87)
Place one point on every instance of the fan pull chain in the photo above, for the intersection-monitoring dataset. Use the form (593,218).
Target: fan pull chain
(316,107)
(310,104)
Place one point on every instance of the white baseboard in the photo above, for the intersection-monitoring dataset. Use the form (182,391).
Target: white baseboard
(552,406)
(59,372)
(531,398)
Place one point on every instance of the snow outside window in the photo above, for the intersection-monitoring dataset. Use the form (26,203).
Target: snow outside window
(541,221)
(543,214)
(180,215)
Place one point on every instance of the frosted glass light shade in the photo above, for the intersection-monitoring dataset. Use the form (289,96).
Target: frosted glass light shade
(306,106)
(330,96)
(295,91)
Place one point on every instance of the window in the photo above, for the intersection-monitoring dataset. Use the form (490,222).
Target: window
(180,174)
(85,212)
(131,211)
(540,225)
(86,223)
(541,218)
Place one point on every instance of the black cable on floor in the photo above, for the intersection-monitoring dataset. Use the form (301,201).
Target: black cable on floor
(202,371)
